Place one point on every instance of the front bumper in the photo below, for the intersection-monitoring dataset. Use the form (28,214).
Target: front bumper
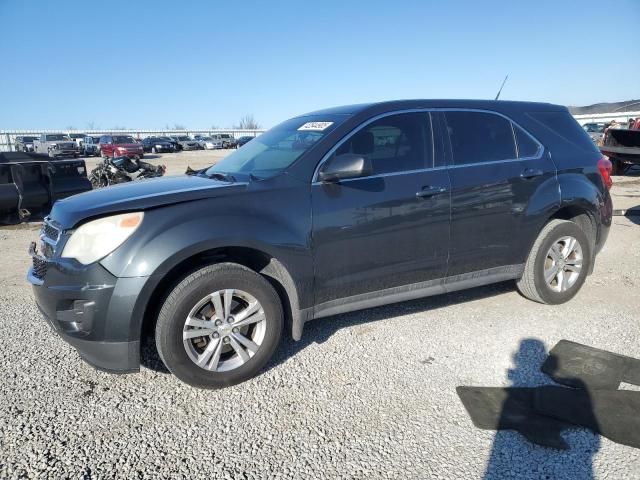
(64,153)
(191,147)
(91,310)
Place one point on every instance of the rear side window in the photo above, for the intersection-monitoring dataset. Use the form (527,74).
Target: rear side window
(395,143)
(527,146)
(478,137)
(565,126)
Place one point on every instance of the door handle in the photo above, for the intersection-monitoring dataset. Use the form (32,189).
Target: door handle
(531,172)
(429,191)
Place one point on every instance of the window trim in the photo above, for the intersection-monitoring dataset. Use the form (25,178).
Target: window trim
(513,124)
(537,156)
(314,179)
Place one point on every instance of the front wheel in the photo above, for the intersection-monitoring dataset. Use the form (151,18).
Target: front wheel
(557,265)
(219,326)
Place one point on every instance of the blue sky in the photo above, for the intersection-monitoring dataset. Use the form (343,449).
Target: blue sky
(148,64)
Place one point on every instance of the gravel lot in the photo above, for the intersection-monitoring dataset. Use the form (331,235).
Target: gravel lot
(365,395)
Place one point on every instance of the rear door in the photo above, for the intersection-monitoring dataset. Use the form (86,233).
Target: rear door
(496,172)
(387,230)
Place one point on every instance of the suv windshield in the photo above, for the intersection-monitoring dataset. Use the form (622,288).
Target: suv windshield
(123,139)
(184,139)
(273,151)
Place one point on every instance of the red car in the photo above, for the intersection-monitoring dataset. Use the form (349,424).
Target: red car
(120,145)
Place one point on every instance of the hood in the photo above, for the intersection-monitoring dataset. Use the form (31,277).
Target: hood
(127,145)
(138,195)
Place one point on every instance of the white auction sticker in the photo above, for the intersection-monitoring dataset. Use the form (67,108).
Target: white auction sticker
(317,126)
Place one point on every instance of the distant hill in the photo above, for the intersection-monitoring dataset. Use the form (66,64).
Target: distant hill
(626,106)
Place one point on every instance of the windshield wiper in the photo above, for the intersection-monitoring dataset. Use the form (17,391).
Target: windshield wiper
(221,176)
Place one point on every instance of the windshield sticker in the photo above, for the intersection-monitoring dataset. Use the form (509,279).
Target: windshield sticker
(316,126)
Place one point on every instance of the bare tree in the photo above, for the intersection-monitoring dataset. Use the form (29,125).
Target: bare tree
(91,125)
(118,127)
(214,127)
(70,127)
(248,123)
(179,126)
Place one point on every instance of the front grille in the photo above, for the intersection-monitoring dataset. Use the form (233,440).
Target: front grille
(39,267)
(50,232)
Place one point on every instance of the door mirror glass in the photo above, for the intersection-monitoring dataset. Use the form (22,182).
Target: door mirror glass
(341,167)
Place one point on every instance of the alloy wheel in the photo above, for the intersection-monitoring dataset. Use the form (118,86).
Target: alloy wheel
(563,264)
(224,330)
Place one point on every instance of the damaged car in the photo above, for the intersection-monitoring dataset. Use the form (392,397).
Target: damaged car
(329,212)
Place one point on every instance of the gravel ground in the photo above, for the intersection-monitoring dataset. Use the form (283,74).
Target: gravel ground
(369,394)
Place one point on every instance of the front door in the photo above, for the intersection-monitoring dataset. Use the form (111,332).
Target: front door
(387,230)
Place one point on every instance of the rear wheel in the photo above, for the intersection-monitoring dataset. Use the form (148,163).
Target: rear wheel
(557,265)
(219,326)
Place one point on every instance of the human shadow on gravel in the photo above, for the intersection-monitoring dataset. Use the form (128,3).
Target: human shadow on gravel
(319,331)
(512,456)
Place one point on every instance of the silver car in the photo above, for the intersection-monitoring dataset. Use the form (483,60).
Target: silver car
(209,143)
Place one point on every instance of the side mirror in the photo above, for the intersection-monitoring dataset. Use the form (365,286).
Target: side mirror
(342,167)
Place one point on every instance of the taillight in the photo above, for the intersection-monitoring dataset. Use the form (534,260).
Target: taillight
(605,167)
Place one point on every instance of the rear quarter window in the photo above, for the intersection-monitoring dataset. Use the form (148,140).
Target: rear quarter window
(564,126)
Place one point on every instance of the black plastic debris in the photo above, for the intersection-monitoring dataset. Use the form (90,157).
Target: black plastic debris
(540,414)
(577,365)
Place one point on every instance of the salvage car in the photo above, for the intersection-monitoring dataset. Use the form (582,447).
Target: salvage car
(23,144)
(595,131)
(157,145)
(209,143)
(90,145)
(77,137)
(329,212)
(187,143)
(243,140)
(226,140)
(120,145)
(55,145)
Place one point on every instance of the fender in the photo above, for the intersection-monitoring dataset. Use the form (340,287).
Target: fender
(178,232)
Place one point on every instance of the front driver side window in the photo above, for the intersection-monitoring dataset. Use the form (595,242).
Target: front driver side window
(396,143)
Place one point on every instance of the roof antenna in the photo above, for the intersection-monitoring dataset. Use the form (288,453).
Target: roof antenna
(501,86)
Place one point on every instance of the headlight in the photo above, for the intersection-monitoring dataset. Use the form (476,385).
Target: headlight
(98,238)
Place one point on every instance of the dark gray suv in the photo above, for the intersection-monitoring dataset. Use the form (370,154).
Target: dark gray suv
(337,210)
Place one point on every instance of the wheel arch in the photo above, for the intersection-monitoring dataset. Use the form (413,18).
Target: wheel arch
(261,262)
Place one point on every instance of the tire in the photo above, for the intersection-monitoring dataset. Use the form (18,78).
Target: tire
(197,288)
(533,285)
(153,150)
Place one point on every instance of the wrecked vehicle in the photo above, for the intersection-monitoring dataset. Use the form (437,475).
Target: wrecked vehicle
(23,143)
(31,183)
(114,170)
(55,145)
(622,146)
(333,211)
